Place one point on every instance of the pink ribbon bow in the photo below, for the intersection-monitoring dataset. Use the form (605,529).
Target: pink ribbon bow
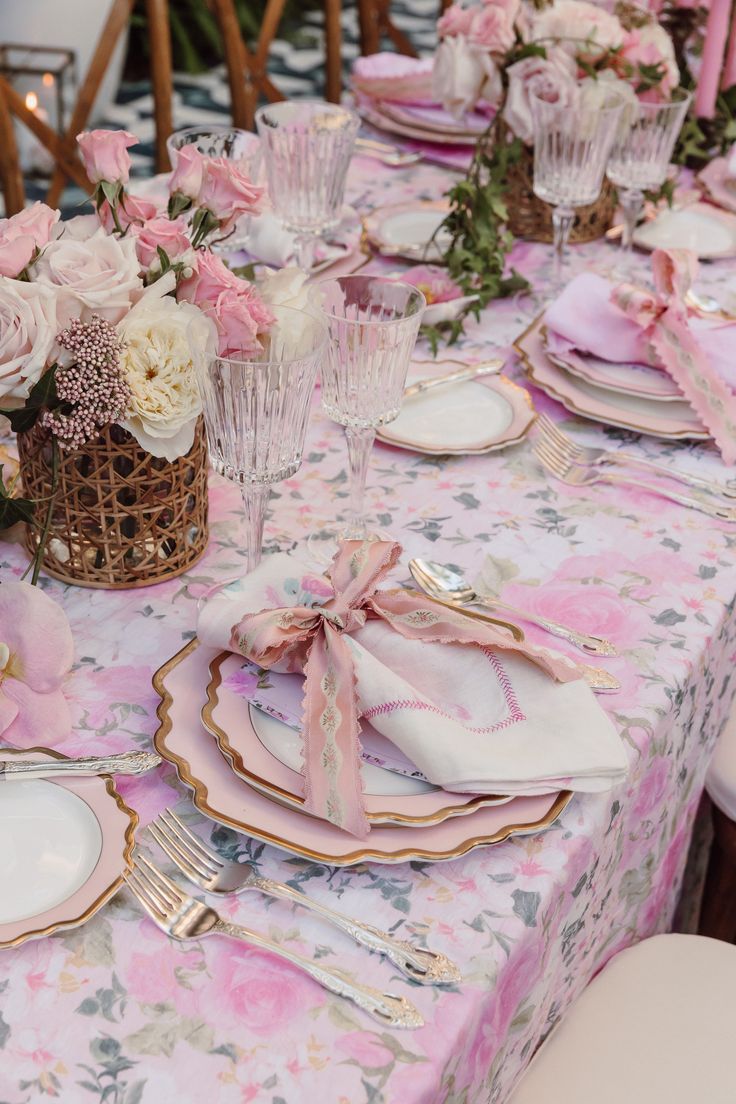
(663,315)
(312,639)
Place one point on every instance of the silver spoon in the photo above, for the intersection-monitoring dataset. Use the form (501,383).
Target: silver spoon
(451,585)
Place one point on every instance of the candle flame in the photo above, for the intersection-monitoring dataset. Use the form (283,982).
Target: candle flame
(48,80)
(31,101)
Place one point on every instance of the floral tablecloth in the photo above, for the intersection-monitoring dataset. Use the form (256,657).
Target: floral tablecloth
(115,1012)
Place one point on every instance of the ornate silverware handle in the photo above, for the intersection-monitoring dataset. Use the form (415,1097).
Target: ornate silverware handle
(385,1007)
(129,762)
(421,965)
(725,513)
(625,459)
(473,371)
(596,645)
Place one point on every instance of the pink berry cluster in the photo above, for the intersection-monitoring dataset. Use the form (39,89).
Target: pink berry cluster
(92,390)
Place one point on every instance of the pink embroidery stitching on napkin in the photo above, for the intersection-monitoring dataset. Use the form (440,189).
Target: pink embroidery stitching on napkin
(514,715)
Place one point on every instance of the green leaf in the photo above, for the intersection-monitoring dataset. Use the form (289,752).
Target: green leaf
(42,396)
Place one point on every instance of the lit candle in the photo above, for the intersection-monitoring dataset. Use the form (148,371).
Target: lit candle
(714,46)
(729,70)
(32,154)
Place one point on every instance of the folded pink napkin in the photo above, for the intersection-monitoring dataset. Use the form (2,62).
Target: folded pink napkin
(472,709)
(391,76)
(625,323)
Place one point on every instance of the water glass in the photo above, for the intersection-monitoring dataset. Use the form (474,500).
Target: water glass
(373,324)
(640,157)
(307,146)
(572,141)
(256,410)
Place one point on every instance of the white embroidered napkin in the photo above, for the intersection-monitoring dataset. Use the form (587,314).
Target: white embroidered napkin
(472,721)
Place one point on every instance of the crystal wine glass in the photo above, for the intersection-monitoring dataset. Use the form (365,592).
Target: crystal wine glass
(640,157)
(307,146)
(256,409)
(373,324)
(572,141)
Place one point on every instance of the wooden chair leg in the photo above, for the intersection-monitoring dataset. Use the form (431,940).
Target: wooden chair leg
(718,911)
(157,13)
(11,178)
(70,165)
(116,23)
(333,42)
(239,77)
(370,35)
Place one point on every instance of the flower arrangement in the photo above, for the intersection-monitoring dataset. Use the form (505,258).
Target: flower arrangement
(98,313)
(489,56)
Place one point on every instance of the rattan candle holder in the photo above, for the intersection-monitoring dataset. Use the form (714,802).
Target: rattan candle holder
(120,517)
(531,218)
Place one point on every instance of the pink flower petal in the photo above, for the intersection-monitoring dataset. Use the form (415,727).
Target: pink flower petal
(42,719)
(37,632)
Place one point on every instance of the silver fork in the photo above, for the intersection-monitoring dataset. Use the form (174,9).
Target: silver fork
(577,475)
(206,869)
(184,918)
(389,155)
(593,457)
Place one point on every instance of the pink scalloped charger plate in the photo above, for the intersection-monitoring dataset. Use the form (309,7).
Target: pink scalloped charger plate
(220,794)
(64,846)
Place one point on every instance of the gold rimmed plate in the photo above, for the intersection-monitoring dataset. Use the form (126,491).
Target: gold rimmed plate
(221,795)
(64,846)
(266,753)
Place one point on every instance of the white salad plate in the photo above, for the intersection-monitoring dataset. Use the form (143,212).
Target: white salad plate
(624,378)
(407,229)
(707,230)
(462,419)
(64,846)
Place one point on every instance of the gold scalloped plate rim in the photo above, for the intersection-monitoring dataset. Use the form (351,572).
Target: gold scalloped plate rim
(295,801)
(525,359)
(201,800)
(112,889)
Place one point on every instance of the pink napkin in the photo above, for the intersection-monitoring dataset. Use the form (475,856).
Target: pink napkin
(585,318)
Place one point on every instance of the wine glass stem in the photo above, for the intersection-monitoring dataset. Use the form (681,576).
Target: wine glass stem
(360,442)
(304,251)
(255,498)
(632,201)
(562,220)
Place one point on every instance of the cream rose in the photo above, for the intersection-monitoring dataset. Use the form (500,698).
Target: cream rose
(28,324)
(575,22)
(157,364)
(555,73)
(289,287)
(101,272)
(463,74)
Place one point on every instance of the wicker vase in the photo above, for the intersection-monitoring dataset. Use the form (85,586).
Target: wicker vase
(121,517)
(531,218)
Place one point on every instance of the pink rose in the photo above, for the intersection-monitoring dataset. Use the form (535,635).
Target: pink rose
(257,991)
(29,323)
(557,73)
(131,211)
(188,172)
(588,608)
(651,45)
(169,234)
(237,310)
(22,234)
(227,192)
(456,20)
(101,273)
(492,27)
(105,154)
(433,282)
(36,652)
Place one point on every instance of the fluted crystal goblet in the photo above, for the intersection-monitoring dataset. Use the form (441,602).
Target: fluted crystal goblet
(372,323)
(256,409)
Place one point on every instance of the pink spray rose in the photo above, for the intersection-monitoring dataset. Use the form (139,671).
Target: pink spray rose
(455,20)
(22,234)
(188,172)
(227,192)
(236,308)
(105,154)
(36,652)
(492,27)
(169,234)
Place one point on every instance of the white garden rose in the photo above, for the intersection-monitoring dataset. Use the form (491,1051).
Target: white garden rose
(79,228)
(555,74)
(288,287)
(157,365)
(101,272)
(28,325)
(575,22)
(463,74)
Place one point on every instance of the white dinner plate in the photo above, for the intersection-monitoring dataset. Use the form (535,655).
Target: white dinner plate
(707,230)
(406,230)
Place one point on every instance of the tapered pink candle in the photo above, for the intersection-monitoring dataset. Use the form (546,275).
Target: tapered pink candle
(729,69)
(714,47)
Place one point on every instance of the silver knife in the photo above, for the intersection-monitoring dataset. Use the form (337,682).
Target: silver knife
(472,371)
(128,762)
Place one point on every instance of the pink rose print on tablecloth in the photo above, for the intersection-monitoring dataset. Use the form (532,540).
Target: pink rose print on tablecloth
(254,989)
(36,652)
